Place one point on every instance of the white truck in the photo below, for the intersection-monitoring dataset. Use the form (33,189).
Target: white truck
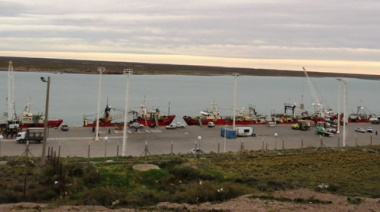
(31,134)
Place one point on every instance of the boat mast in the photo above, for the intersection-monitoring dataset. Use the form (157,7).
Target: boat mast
(11,102)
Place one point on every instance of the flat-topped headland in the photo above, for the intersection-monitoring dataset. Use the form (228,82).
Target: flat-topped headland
(90,67)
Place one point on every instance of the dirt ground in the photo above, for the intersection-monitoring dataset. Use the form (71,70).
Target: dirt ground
(243,203)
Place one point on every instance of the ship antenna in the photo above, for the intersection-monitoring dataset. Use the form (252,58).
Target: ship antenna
(169,109)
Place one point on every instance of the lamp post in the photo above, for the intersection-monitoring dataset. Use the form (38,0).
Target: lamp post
(127,73)
(46,119)
(100,70)
(233,118)
(275,141)
(199,142)
(345,117)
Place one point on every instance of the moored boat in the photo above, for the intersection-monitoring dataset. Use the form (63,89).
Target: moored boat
(151,117)
(211,114)
(106,120)
(29,119)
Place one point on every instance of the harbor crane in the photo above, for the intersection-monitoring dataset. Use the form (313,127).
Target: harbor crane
(318,106)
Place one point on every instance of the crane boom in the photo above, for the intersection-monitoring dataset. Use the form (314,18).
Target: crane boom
(317,103)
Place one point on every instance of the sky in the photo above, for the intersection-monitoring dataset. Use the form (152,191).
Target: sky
(327,36)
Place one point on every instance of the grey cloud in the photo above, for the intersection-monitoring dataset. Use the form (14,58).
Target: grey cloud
(256,29)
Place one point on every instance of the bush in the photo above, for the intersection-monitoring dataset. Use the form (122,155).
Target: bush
(152,177)
(101,196)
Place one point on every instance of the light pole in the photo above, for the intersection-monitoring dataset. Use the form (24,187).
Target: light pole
(345,117)
(100,70)
(46,119)
(233,118)
(127,73)
(338,129)
(199,142)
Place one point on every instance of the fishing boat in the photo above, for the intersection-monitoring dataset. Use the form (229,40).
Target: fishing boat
(106,120)
(211,114)
(151,117)
(361,116)
(288,117)
(29,119)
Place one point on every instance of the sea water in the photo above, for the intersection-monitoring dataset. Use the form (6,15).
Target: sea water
(74,95)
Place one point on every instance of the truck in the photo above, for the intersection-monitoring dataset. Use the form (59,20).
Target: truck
(302,125)
(322,131)
(10,129)
(31,134)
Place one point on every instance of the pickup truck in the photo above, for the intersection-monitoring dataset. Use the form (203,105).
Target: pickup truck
(180,125)
(175,125)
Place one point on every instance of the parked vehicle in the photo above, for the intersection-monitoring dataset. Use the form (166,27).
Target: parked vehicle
(369,129)
(244,131)
(136,125)
(302,125)
(322,131)
(64,127)
(180,125)
(211,124)
(360,129)
(171,126)
(196,151)
(31,134)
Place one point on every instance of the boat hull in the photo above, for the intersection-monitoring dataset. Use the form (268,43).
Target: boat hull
(51,124)
(162,121)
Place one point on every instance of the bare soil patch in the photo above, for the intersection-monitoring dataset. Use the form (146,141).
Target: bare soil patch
(242,203)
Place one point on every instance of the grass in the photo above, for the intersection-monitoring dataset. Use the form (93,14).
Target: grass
(185,179)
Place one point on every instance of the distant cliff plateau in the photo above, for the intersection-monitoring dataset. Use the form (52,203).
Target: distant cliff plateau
(90,67)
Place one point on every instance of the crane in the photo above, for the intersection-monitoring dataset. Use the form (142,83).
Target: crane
(317,102)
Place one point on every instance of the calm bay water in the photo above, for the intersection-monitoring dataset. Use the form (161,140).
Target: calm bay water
(74,95)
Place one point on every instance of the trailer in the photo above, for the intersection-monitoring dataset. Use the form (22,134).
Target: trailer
(244,131)
(31,134)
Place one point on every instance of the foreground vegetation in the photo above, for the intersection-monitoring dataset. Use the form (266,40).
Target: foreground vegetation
(188,179)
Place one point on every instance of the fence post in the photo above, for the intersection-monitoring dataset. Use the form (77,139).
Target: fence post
(338,142)
(88,151)
(370,143)
(171,147)
(117,152)
(59,149)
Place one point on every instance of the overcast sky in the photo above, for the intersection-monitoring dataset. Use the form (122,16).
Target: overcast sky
(333,36)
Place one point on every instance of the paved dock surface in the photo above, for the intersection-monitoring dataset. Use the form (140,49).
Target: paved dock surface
(79,141)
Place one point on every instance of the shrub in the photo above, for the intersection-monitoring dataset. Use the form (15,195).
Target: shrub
(151,177)
(101,196)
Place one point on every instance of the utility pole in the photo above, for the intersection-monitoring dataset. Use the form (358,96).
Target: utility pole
(100,70)
(46,119)
(11,102)
(127,73)
(234,108)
